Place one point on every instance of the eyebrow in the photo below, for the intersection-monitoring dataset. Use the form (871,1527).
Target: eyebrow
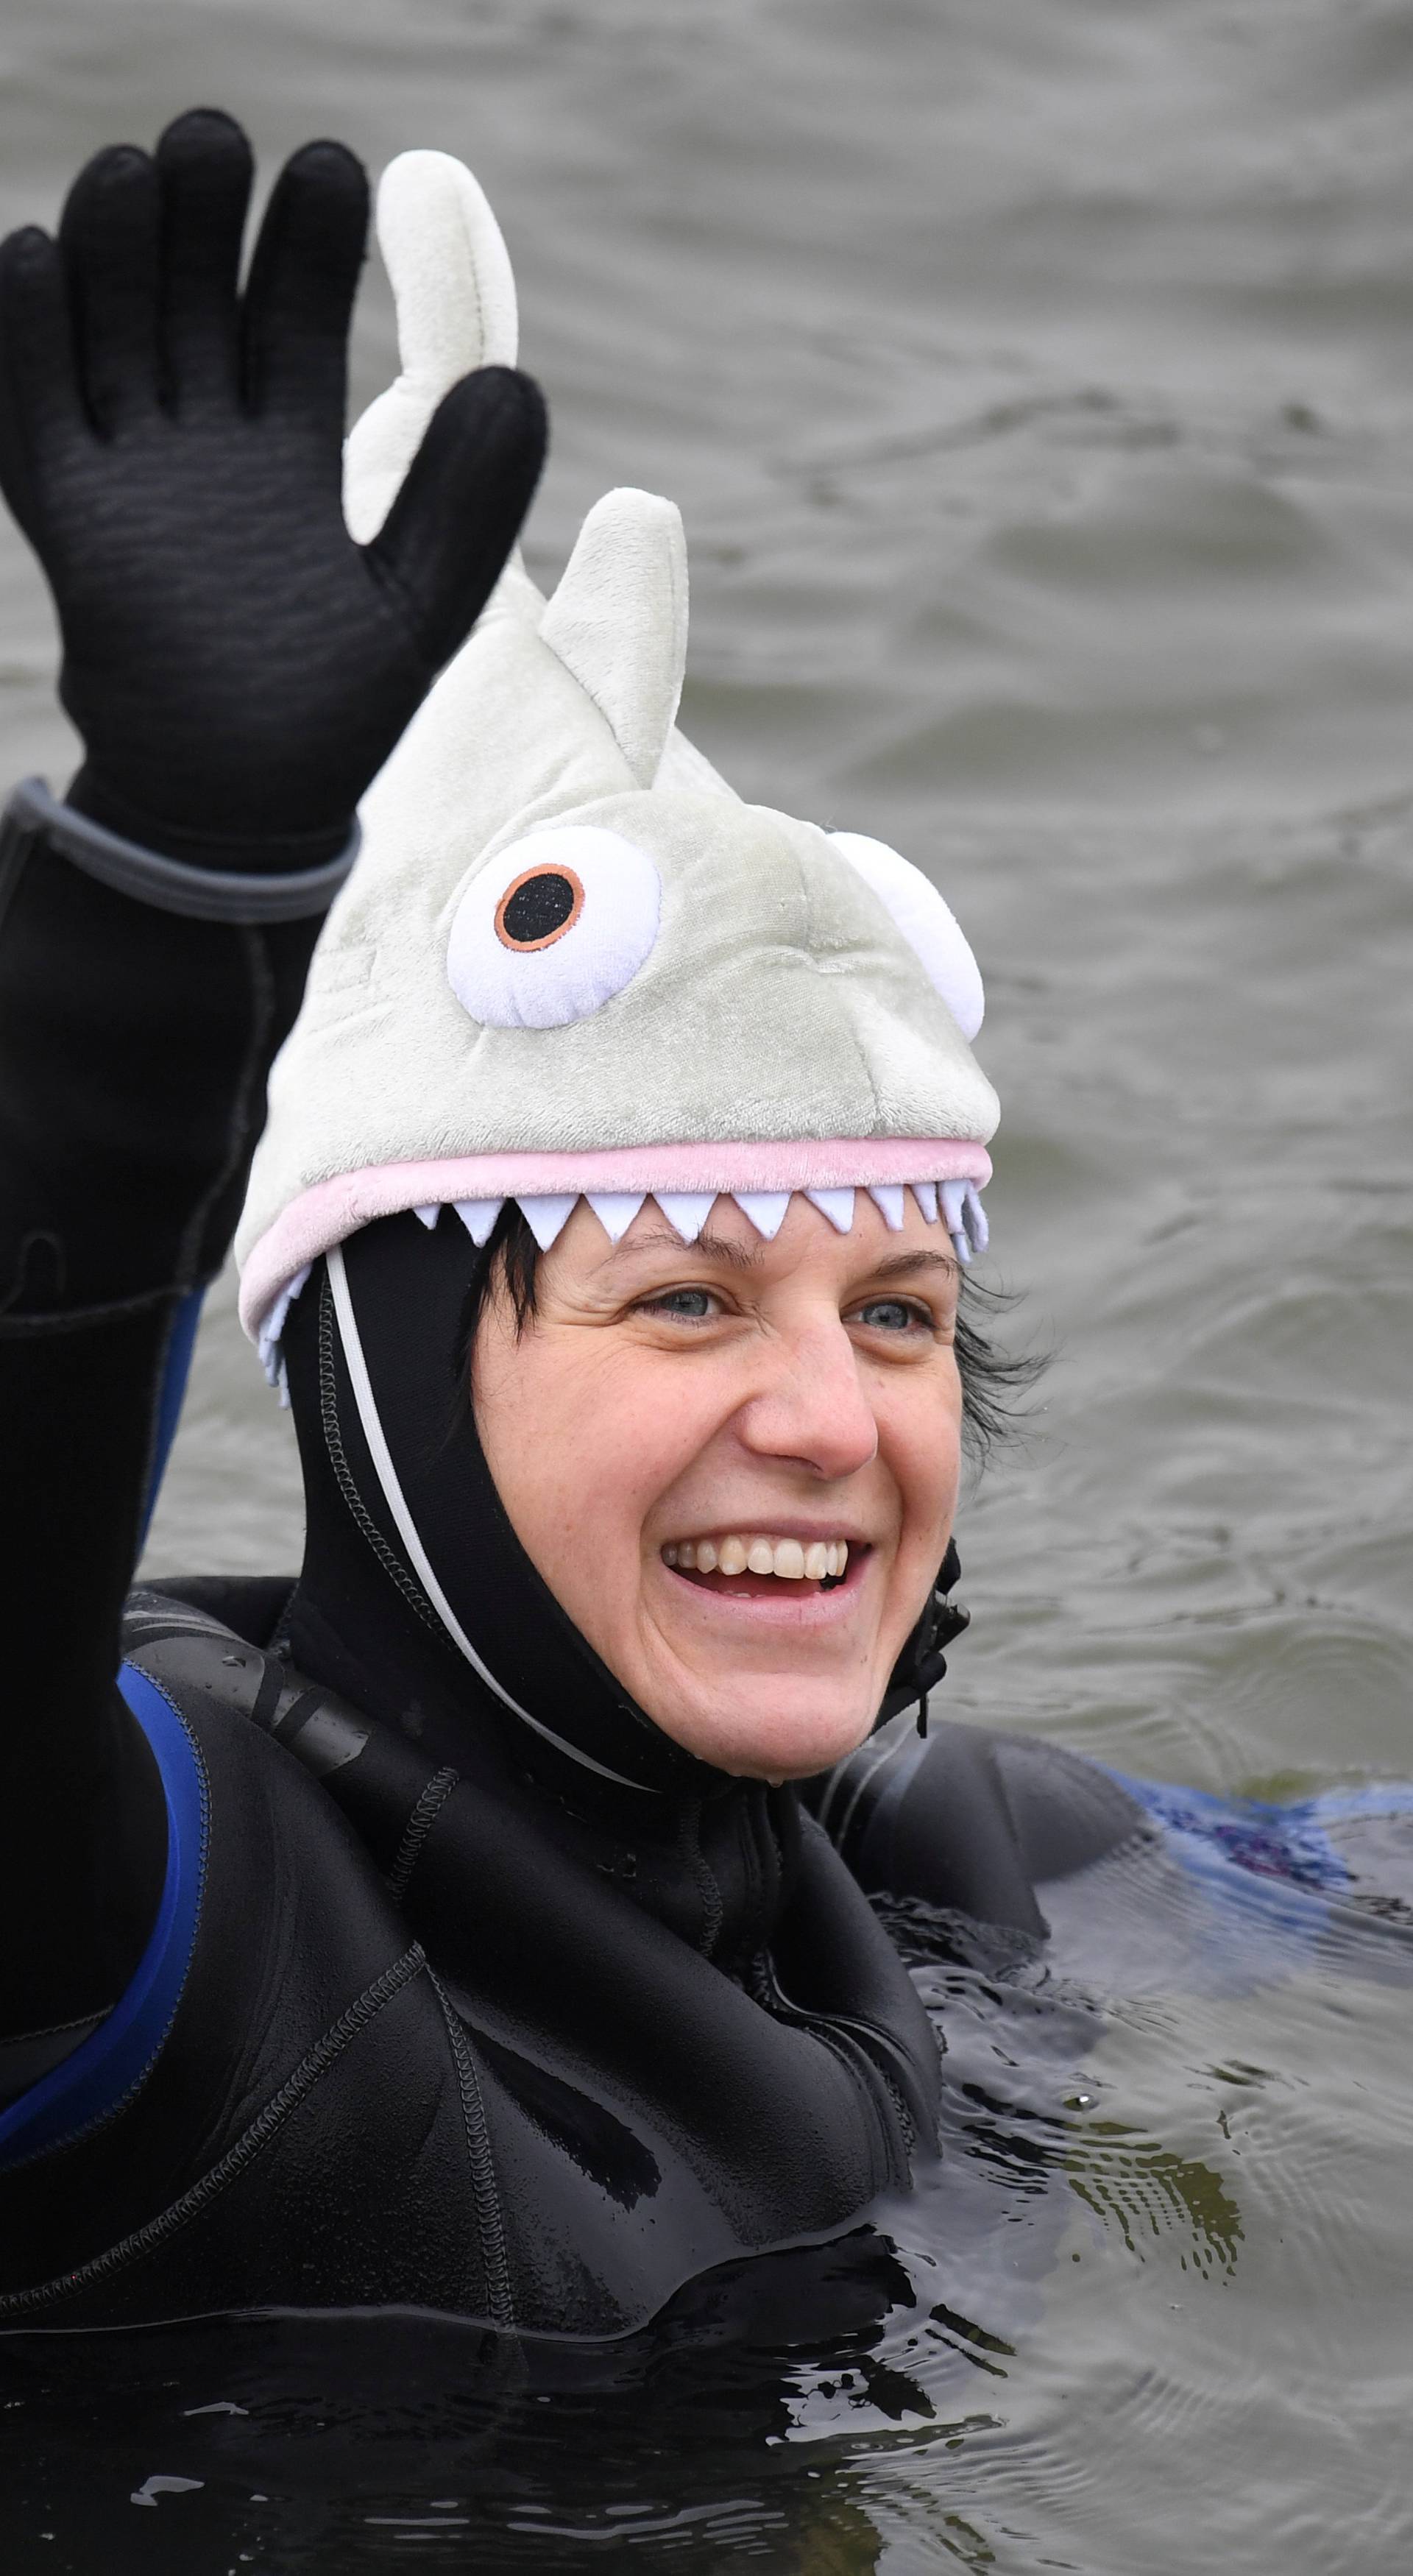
(745,1256)
(900,1262)
(713,1247)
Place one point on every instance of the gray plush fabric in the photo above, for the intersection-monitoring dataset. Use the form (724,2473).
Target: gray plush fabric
(780,1000)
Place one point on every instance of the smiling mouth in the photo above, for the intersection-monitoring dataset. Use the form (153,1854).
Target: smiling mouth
(755,1567)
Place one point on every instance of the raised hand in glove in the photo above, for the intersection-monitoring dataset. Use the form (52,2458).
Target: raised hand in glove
(237,667)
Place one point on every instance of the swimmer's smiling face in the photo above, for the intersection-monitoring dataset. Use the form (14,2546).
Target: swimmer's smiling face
(794,1403)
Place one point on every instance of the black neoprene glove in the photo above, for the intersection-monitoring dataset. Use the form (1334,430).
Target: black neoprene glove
(237,667)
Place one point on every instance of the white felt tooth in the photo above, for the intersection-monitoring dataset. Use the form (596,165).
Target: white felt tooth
(837,1205)
(615,1209)
(953,1195)
(686,1211)
(478,1216)
(974,1215)
(429,1214)
(765,1208)
(273,1327)
(925,1192)
(548,1216)
(887,1197)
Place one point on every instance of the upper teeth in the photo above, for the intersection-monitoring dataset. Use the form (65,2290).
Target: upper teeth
(788,1557)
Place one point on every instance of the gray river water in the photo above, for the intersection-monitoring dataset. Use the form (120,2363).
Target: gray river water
(1037,385)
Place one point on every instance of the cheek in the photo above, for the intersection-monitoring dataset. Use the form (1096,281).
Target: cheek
(920,1438)
(583,1443)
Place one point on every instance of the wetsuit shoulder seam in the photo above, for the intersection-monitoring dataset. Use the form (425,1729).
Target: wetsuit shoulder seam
(265,2126)
(485,2190)
(82,1319)
(419,1825)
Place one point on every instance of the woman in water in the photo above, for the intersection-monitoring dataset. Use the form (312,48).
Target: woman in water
(480,1921)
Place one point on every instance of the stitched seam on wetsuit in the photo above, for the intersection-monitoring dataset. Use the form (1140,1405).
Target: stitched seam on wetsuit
(689,1845)
(324,2054)
(81,1319)
(419,1824)
(485,2191)
(390,1562)
(844,2035)
(849,2058)
(863,2032)
(55,2029)
(906,2121)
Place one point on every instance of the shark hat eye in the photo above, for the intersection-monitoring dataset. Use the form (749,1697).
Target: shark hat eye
(556,926)
(926,922)
(541,905)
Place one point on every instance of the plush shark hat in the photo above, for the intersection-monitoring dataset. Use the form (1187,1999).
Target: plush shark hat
(571,962)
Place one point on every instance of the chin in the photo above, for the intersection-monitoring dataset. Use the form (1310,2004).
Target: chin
(775,1743)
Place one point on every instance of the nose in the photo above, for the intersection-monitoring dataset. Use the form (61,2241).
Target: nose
(811,1407)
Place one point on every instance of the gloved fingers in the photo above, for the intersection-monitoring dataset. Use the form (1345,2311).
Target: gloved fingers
(302,282)
(205,167)
(41,409)
(109,236)
(449,531)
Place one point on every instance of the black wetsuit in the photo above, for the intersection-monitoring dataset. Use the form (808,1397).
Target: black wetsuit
(325,1979)
(444,2016)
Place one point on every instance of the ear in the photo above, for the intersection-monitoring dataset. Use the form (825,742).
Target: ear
(618,621)
(455,297)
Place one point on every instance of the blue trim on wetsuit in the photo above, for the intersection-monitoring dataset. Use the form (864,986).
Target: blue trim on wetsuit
(1286,1842)
(176,1369)
(107,2066)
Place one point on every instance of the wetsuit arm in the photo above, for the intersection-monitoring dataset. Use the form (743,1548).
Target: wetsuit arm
(238,670)
(973,1822)
(134,1046)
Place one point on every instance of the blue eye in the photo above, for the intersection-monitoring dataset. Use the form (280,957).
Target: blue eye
(693,1304)
(889,1315)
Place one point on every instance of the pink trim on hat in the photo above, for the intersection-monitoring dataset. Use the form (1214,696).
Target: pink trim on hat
(334,1209)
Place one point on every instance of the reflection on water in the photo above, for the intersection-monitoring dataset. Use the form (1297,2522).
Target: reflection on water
(1038,386)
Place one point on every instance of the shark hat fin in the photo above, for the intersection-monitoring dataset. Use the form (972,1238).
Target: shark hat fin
(455,295)
(618,621)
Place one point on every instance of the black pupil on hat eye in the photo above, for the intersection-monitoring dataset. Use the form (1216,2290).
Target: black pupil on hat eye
(539,907)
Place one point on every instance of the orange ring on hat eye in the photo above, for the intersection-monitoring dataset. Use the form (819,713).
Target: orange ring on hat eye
(530,876)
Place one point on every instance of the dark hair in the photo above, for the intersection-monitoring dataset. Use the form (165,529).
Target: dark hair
(992,1378)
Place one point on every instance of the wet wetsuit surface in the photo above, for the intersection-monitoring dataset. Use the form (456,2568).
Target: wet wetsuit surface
(385,1996)
(407,2002)
(524,2018)
(327,1977)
